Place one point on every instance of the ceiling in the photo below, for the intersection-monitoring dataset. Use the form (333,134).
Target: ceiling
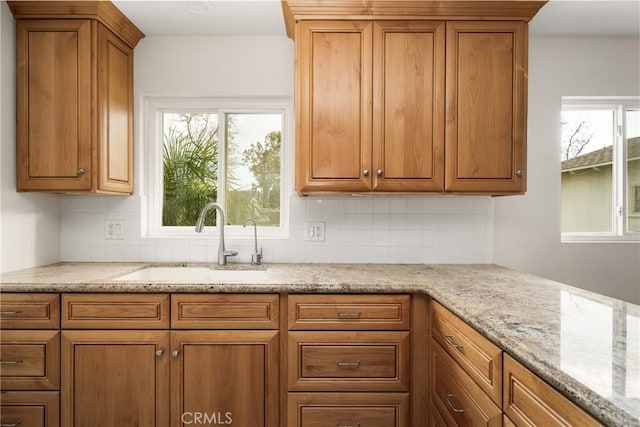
(558,18)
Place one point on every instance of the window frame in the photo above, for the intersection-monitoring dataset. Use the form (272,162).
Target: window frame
(620,206)
(151,153)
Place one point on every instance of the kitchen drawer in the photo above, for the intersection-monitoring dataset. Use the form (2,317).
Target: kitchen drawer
(437,419)
(30,408)
(349,312)
(529,401)
(30,360)
(115,311)
(348,409)
(29,311)
(224,311)
(348,361)
(459,399)
(479,357)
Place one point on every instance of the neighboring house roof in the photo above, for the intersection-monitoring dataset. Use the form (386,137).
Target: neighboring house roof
(600,157)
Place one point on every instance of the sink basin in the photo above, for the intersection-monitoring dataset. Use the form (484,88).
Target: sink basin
(194,275)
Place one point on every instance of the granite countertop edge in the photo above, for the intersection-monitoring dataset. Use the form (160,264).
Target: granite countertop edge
(599,407)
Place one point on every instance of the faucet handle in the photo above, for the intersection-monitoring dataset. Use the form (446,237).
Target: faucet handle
(256,258)
(230,252)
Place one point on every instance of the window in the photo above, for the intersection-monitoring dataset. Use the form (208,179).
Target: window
(600,168)
(228,151)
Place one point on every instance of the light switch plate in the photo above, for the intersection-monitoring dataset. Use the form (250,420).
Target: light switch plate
(314,231)
(114,229)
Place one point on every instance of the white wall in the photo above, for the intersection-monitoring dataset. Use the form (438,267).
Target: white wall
(30,223)
(527,228)
(358,229)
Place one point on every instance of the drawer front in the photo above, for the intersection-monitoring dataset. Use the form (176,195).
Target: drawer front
(437,420)
(118,311)
(29,311)
(348,409)
(478,356)
(223,311)
(529,401)
(30,408)
(30,360)
(348,361)
(349,312)
(459,399)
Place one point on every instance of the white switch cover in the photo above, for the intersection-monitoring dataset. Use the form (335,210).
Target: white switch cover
(114,229)
(314,231)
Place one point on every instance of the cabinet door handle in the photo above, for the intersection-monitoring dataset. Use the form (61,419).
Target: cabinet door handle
(160,352)
(447,398)
(365,172)
(10,313)
(379,173)
(349,315)
(10,362)
(339,424)
(17,423)
(175,354)
(519,172)
(81,171)
(451,342)
(348,364)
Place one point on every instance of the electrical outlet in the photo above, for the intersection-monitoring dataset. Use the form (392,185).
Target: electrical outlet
(114,229)
(314,231)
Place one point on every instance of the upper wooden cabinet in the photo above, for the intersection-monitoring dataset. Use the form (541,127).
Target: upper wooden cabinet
(486,106)
(410,96)
(74,97)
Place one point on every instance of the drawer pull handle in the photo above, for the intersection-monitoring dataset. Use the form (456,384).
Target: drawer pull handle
(349,315)
(451,342)
(447,398)
(10,313)
(17,423)
(348,364)
(10,362)
(339,424)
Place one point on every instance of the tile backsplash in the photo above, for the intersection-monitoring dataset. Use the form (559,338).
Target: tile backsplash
(359,229)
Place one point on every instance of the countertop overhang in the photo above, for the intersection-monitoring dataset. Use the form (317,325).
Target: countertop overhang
(545,325)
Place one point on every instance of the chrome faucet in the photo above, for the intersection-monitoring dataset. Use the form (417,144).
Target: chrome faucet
(256,257)
(222,252)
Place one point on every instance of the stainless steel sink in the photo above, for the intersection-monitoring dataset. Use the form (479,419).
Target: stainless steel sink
(196,274)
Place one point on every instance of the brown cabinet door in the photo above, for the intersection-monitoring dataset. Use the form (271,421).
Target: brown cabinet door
(115,112)
(115,378)
(333,102)
(408,100)
(486,106)
(54,105)
(224,377)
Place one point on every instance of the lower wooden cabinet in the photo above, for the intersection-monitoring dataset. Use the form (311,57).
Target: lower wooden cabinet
(348,409)
(459,399)
(115,378)
(529,401)
(29,409)
(225,377)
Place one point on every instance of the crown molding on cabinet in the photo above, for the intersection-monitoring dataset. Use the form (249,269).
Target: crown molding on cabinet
(102,11)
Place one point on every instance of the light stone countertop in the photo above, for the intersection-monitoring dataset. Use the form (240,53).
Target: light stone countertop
(584,344)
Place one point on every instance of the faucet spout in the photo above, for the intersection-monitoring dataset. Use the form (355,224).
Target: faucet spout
(256,257)
(222,252)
